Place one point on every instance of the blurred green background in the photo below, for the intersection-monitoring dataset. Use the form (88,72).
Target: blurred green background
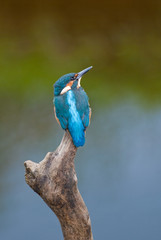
(119,167)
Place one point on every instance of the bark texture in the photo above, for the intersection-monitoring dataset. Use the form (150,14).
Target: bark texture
(55,180)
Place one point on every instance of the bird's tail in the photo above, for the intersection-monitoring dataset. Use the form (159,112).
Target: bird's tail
(77,133)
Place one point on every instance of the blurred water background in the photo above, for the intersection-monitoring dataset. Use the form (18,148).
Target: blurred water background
(119,168)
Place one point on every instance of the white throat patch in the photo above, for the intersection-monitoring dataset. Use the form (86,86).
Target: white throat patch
(66,89)
(79,80)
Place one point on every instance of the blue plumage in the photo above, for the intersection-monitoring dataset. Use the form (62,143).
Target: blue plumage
(75,124)
(72,109)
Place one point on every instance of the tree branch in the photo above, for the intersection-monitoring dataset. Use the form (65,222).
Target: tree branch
(55,180)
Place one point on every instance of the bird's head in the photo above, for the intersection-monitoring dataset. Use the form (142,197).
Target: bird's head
(69,81)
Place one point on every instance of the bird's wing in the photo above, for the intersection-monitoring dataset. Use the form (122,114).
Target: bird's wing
(86,116)
(61,112)
(83,107)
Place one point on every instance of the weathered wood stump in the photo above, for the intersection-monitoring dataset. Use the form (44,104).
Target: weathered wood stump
(55,180)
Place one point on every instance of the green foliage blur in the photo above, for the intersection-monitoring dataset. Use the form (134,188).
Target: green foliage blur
(42,41)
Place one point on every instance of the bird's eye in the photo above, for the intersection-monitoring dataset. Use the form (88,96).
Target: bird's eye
(74,77)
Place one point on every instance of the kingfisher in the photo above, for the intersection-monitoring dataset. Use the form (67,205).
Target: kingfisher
(71,106)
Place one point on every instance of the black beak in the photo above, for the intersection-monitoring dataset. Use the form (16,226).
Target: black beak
(81,73)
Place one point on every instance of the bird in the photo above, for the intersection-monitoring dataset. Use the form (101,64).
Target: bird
(71,106)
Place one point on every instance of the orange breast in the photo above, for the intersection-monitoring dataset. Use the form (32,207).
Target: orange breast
(69,84)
